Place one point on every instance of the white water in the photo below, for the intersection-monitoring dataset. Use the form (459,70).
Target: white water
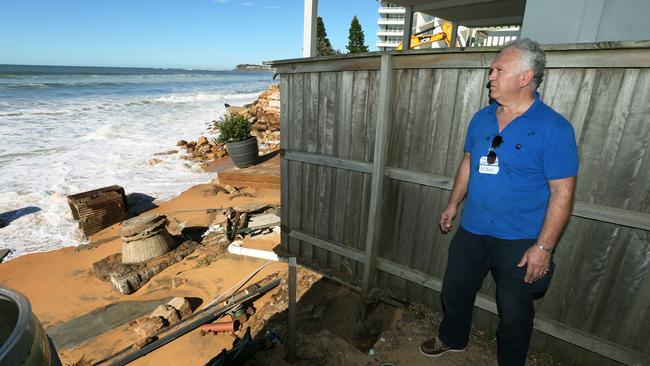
(52,147)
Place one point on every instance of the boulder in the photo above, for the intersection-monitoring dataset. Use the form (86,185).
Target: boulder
(182,306)
(147,326)
(181,143)
(202,141)
(167,312)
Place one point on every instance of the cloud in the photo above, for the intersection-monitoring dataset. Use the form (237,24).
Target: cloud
(221,1)
(272,7)
(247,4)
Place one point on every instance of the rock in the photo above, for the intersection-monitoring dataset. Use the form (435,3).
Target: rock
(2,223)
(143,342)
(182,306)
(147,326)
(4,253)
(167,312)
(202,141)
(153,162)
(168,152)
(181,143)
(238,110)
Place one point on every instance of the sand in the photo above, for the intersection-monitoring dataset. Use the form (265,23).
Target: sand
(61,286)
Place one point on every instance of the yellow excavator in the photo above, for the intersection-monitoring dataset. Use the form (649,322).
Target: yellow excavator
(418,40)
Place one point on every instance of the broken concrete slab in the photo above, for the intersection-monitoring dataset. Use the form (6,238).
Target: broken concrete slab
(263,221)
(99,321)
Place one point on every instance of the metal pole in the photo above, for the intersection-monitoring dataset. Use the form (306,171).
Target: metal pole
(408,26)
(291,344)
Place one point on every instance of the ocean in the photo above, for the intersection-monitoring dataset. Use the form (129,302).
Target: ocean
(65,130)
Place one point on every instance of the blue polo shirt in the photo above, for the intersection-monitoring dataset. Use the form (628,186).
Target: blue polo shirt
(508,199)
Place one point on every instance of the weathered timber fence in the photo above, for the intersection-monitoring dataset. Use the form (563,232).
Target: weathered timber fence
(370,146)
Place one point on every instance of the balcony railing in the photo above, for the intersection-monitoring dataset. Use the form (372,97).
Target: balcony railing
(387,44)
(390,21)
(390,33)
(391,10)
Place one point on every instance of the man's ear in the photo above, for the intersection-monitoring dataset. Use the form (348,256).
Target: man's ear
(526,78)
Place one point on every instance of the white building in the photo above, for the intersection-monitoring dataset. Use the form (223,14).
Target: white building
(391,29)
(391,25)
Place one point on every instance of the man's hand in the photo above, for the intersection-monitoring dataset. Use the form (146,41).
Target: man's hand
(446,218)
(538,261)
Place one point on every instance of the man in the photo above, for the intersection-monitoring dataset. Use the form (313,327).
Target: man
(518,175)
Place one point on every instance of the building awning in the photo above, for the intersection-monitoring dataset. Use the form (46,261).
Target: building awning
(471,13)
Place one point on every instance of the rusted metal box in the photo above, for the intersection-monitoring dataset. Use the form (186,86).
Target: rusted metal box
(98,209)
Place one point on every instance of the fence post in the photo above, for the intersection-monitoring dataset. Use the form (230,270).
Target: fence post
(379,166)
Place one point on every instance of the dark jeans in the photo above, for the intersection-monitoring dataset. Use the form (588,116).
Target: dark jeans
(470,258)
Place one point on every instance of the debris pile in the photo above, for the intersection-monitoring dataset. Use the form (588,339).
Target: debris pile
(264,114)
(203,149)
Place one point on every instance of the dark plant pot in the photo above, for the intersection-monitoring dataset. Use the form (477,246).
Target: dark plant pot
(243,153)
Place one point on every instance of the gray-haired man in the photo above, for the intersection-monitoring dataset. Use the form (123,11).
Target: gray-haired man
(518,175)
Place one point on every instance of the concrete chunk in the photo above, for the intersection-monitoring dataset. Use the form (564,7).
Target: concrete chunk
(145,327)
(167,312)
(181,305)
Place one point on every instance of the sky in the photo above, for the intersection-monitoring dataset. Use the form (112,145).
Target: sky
(193,34)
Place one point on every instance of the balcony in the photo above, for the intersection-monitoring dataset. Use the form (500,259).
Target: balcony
(398,10)
(387,44)
(390,33)
(390,21)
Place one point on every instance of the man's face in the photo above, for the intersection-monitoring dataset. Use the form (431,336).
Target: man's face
(505,75)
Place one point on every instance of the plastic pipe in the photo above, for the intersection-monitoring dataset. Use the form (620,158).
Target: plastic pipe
(236,248)
(223,327)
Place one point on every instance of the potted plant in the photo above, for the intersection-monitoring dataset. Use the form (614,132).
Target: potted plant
(235,132)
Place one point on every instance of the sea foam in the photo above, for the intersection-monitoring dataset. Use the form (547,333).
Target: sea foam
(71,140)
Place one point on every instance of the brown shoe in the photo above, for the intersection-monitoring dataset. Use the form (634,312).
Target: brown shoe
(434,348)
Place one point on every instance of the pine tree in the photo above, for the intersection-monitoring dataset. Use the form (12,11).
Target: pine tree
(356,38)
(323,44)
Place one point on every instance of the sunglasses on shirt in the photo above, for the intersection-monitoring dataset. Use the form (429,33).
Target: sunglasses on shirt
(492,155)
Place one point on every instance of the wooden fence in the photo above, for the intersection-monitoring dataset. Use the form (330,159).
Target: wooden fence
(370,145)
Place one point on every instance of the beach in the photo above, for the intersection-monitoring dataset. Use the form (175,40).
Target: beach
(76,129)
(90,320)
(61,286)
(72,129)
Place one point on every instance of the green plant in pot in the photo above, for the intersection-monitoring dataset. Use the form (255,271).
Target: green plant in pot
(235,132)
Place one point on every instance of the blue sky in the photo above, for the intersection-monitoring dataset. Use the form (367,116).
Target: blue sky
(205,34)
